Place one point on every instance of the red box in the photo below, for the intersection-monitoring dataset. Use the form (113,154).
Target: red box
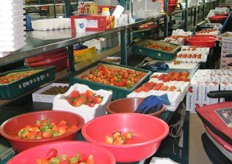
(95,22)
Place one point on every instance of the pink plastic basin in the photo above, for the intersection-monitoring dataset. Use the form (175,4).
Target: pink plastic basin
(148,131)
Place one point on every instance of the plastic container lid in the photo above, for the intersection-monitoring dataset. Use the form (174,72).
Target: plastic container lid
(106,11)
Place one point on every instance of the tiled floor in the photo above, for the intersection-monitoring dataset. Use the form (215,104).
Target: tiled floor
(197,153)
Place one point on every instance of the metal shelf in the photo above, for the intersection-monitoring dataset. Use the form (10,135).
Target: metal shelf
(35,46)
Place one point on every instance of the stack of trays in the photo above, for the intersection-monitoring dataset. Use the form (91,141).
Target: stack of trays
(11,26)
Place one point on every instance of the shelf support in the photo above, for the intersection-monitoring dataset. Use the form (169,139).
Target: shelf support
(166,18)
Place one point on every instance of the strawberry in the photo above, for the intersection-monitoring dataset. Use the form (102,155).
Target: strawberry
(89,92)
(90,160)
(79,101)
(81,157)
(119,140)
(116,134)
(109,139)
(98,99)
(74,94)
(129,135)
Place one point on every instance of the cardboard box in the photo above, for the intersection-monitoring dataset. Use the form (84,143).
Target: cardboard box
(84,54)
(95,22)
(38,96)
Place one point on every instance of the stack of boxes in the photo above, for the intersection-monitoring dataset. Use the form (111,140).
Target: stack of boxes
(11,26)
(204,81)
(226,51)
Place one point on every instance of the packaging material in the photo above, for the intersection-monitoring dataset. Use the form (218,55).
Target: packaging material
(204,81)
(88,113)
(51,34)
(99,43)
(51,24)
(191,54)
(112,59)
(11,26)
(84,54)
(174,89)
(39,95)
(226,44)
(181,32)
(95,22)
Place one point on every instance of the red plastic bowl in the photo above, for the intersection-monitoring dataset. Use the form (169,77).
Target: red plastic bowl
(217,19)
(59,63)
(202,41)
(129,105)
(148,131)
(46,55)
(10,127)
(100,154)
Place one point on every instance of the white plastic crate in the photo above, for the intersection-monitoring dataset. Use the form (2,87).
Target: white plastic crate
(88,113)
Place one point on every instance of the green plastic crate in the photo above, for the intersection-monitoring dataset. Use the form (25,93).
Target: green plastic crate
(18,87)
(140,48)
(118,92)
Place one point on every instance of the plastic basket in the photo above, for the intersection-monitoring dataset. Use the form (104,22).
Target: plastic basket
(118,92)
(23,85)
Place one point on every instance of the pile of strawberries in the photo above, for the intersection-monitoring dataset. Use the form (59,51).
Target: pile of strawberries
(76,99)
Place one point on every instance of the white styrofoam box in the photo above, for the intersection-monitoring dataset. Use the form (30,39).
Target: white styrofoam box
(181,32)
(13,19)
(13,46)
(205,81)
(51,24)
(39,97)
(11,31)
(99,43)
(180,41)
(226,48)
(113,59)
(11,2)
(181,85)
(88,113)
(12,13)
(10,7)
(173,97)
(12,37)
(51,34)
(12,26)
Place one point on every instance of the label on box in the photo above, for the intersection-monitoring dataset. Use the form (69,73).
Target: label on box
(92,24)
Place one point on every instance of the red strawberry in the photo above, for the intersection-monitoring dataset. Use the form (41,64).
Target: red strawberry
(98,99)
(79,101)
(74,94)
